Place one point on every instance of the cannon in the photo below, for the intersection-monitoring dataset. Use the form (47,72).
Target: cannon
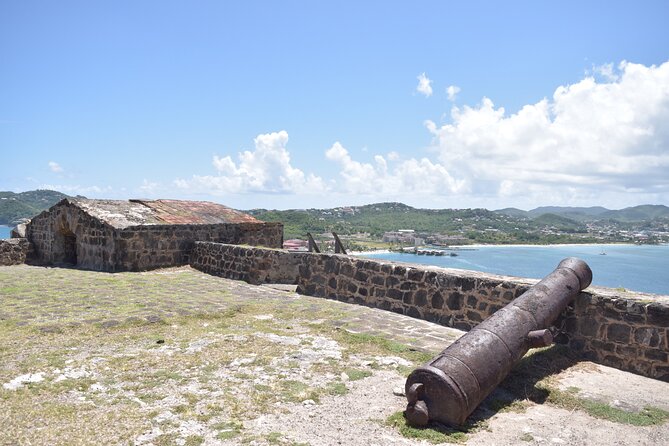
(449,387)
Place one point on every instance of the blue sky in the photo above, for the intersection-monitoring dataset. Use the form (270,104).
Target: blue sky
(307,104)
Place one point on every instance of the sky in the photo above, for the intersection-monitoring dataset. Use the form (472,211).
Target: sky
(444,104)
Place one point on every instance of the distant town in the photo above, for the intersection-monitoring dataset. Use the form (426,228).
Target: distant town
(399,227)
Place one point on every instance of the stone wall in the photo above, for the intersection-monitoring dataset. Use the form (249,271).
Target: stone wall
(252,265)
(629,331)
(13,251)
(67,235)
(145,247)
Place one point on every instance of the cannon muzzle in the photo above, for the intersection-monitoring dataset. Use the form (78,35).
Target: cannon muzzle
(449,387)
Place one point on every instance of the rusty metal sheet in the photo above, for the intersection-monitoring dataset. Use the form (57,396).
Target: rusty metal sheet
(177,212)
(123,214)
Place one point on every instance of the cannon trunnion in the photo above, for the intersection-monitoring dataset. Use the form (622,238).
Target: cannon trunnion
(449,387)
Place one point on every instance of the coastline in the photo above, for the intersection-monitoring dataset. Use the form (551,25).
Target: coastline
(520,245)
(551,245)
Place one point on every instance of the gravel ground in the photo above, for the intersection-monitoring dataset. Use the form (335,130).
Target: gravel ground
(179,357)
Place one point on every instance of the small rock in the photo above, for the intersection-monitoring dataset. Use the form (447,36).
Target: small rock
(344,377)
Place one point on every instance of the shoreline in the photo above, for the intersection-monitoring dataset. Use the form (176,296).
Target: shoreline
(479,245)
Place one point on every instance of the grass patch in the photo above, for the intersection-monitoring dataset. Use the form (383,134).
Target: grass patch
(648,416)
(526,437)
(297,391)
(533,380)
(194,440)
(357,374)
(273,437)
(228,430)
(337,389)
(368,343)
(434,433)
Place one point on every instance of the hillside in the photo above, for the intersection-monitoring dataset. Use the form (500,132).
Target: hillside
(17,206)
(505,226)
(378,218)
(594,213)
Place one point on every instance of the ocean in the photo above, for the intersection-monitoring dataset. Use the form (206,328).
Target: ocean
(633,267)
(4,231)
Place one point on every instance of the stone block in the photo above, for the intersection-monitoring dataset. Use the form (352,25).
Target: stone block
(415,275)
(658,314)
(414,312)
(656,355)
(420,298)
(437,301)
(378,280)
(647,336)
(454,301)
(394,294)
(618,333)
(392,281)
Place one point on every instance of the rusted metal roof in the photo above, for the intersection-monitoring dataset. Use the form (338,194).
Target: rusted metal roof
(182,212)
(122,214)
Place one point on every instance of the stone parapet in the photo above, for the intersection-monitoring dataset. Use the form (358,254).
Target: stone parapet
(147,247)
(250,264)
(14,251)
(626,330)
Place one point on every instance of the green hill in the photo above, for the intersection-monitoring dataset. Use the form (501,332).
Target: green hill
(558,221)
(378,218)
(638,213)
(15,207)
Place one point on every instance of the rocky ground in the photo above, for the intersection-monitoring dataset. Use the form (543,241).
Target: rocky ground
(179,357)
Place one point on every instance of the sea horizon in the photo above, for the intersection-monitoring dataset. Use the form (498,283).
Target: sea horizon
(640,268)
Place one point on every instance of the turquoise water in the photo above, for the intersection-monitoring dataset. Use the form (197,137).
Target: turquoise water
(633,267)
(4,231)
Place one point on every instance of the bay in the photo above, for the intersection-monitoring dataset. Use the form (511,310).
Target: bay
(5,232)
(642,268)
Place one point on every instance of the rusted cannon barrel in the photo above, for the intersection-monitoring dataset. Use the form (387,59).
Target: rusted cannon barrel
(449,388)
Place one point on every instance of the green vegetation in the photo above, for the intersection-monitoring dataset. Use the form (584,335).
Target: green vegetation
(184,348)
(14,207)
(434,433)
(532,380)
(362,227)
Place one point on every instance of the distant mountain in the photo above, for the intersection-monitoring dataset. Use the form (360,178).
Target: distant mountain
(638,213)
(15,207)
(572,212)
(557,221)
(382,217)
(582,214)
(513,212)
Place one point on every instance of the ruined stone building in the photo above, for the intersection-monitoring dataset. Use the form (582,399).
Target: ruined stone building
(134,235)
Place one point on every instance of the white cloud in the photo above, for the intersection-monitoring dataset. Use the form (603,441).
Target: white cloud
(149,187)
(452,91)
(55,167)
(424,86)
(591,139)
(267,169)
(381,180)
(393,156)
(77,189)
(602,140)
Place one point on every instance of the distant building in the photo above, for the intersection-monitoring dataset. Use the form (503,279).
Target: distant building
(404,236)
(296,245)
(117,235)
